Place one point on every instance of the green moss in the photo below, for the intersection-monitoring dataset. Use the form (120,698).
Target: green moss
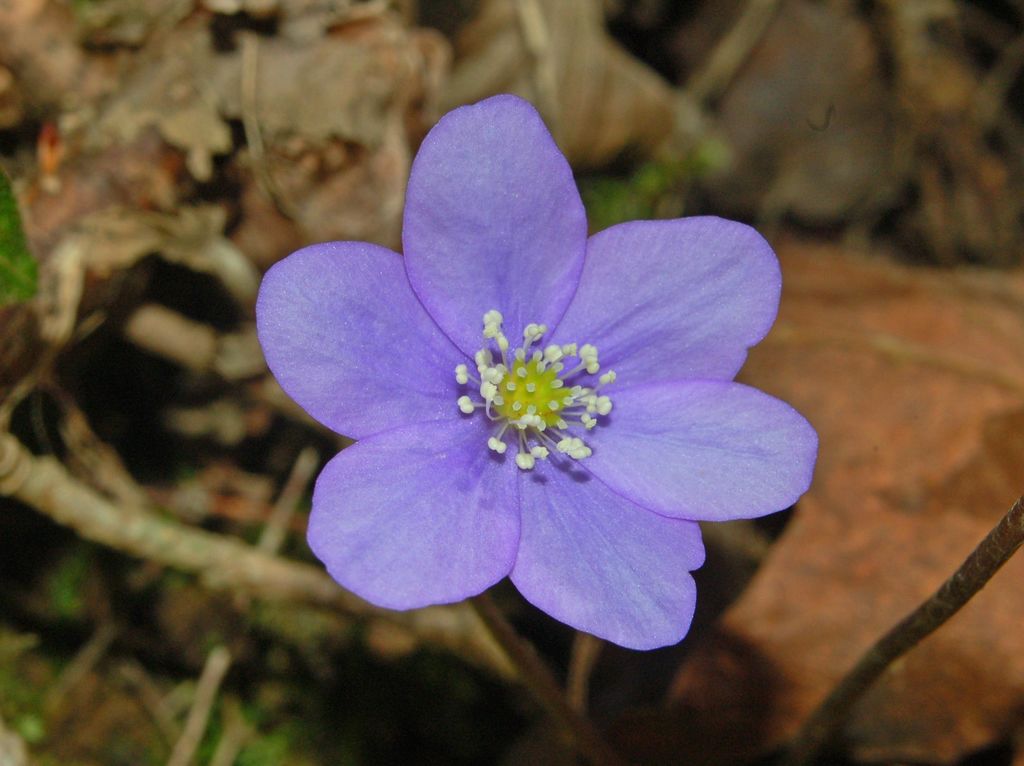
(652,190)
(66,584)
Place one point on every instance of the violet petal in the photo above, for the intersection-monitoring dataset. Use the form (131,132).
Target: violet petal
(601,564)
(420,515)
(493,220)
(666,300)
(704,450)
(347,339)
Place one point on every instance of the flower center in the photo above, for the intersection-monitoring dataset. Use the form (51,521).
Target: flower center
(535,397)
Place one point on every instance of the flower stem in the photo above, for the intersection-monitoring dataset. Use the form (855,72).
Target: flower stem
(538,678)
(994,551)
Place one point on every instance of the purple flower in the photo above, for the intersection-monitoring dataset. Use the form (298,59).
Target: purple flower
(529,402)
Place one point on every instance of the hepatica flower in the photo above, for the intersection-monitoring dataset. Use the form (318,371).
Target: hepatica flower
(530,402)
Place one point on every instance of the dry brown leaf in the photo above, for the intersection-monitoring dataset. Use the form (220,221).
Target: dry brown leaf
(809,121)
(596,98)
(337,149)
(117,237)
(915,382)
(170,90)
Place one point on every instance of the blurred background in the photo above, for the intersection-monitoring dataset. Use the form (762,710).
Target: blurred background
(158,604)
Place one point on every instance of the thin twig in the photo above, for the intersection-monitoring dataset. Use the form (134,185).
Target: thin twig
(732,51)
(235,732)
(216,667)
(994,551)
(134,675)
(537,38)
(84,661)
(284,508)
(537,677)
(251,127)
(12,748)
(222,562)
(585,651)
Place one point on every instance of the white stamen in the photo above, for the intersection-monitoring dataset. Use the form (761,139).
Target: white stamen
(530,390)
(493,374)
(525,461)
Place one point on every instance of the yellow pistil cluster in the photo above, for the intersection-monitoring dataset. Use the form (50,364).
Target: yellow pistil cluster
(526,393)
(532,388)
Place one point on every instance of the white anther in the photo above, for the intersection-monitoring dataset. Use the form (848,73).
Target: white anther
(604,405)
(525,461)
(588,421)
(531,410)
(502,342)
(569,349)
(493,374)
(520,355)
(541,453)
(510,385)
(553,353)
(608,377)
(466,404)
(532,420)
(533,332)
(588,356)
(516,406)
(574,448)
(492,324)
(521,372)
(488,390)
(537,357)
(531,387)
(499,400)
(461,374)
(483,359)
(553,405)
(557,384)
(497,445)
